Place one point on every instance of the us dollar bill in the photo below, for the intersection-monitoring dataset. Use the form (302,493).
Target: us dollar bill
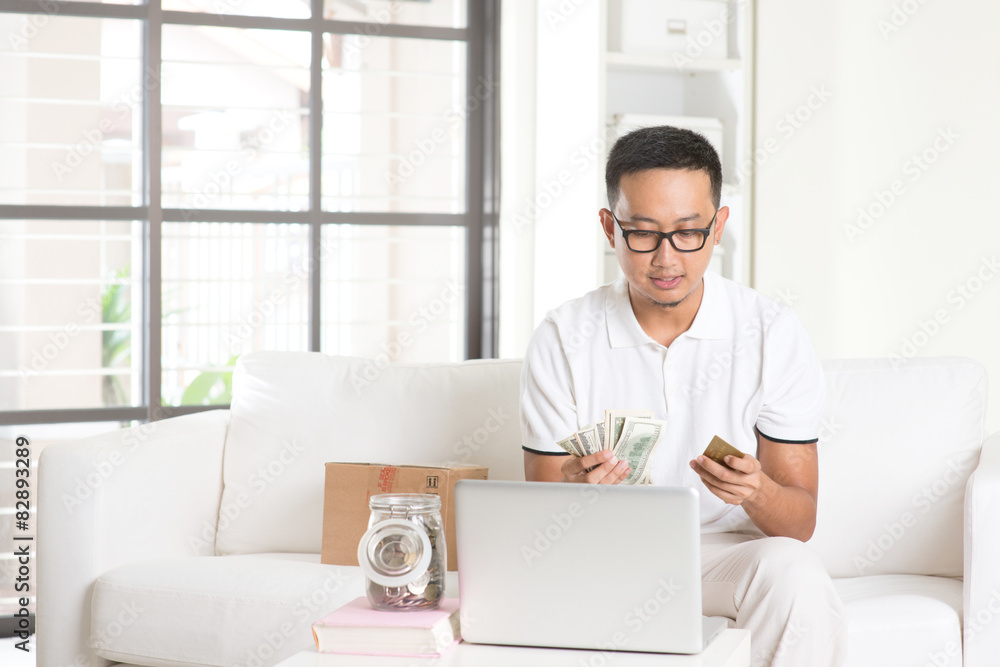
(569,444)
(586,440)
(614,422)
(638,441)
(632,435)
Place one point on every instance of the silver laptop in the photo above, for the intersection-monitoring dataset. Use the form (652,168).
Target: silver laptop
(581,566)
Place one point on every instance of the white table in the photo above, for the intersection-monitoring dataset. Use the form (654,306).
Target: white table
(730,649)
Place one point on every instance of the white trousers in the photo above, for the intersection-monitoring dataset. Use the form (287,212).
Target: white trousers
(778,589)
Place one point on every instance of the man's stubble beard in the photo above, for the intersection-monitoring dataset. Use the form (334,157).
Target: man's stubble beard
(668,305)
(662,305)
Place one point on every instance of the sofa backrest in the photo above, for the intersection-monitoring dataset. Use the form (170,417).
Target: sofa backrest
(292,412)
(898,443)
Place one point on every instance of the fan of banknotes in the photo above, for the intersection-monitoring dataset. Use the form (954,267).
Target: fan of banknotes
(631,435)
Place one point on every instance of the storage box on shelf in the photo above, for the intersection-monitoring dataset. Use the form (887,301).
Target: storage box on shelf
(689,28)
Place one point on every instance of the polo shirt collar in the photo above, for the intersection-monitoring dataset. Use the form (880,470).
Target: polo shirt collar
(715,316)
(712,321)
(623,329)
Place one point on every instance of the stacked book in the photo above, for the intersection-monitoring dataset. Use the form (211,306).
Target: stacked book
(357,628)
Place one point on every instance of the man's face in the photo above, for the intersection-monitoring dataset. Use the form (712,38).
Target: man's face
(664,200)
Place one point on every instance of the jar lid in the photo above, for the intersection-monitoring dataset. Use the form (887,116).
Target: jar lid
(394,552)
(402,504)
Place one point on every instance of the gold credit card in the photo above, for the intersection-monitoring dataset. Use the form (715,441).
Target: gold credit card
(718,449)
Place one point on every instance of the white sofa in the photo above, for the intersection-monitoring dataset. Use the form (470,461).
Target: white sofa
(195,540)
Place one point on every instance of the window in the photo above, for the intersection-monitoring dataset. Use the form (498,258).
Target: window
(185,181)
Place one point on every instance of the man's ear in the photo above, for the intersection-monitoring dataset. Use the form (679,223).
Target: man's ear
(608,225)
(720,223)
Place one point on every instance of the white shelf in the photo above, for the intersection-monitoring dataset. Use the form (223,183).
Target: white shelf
(629,62)
(673,84)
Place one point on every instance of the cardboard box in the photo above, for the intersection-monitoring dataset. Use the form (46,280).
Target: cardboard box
(350,485)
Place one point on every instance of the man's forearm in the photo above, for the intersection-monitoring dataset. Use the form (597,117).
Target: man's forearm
(539,468)
(782,511)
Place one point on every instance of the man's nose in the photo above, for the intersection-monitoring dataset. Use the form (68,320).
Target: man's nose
(665,254)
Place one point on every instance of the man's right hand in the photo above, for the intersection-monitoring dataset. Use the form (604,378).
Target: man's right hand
(606,469)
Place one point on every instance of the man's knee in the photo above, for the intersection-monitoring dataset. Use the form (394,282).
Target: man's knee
(789,563)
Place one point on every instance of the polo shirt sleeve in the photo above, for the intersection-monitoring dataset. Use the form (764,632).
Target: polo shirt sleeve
(792,383)
(548,405)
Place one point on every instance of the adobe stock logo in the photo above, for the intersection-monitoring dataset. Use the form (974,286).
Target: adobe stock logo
(434,310)
(471,443)
(959,297)
(561,523)
(900,15)
(955,475)
(914,168)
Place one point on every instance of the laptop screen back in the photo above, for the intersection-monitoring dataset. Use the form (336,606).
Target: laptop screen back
(579,566)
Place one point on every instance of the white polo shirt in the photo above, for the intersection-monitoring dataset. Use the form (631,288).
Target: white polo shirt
(745,363)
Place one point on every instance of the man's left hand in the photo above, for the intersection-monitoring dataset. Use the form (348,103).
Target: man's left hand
(736,484)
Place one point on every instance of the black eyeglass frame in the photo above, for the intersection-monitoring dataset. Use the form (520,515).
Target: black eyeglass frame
(665,235)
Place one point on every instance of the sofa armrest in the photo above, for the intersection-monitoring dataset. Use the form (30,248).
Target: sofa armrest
(144,492)
(982,553)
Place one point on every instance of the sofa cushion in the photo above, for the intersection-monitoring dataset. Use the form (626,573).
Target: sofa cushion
(902,620)
(898,443)
(292,412)
(250,610)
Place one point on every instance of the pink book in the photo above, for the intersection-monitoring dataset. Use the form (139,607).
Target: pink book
(357,628)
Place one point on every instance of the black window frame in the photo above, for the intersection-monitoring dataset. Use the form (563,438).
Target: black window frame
(480,220)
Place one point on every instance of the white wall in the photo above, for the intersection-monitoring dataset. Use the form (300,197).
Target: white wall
(552,160)
(517,175)
(569,157)
(913,102)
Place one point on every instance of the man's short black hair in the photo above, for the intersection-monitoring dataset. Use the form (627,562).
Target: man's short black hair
(662,147)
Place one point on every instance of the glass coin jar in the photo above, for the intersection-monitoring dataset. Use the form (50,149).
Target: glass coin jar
(404,554)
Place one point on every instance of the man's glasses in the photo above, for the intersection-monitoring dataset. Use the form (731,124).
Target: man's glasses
(682,240)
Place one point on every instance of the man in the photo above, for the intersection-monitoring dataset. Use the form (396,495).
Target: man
(710,357)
